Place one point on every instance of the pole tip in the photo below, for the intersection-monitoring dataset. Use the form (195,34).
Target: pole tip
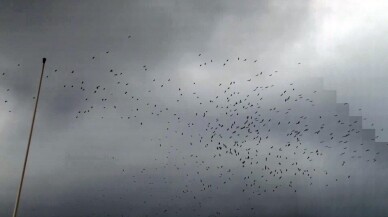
(44,60)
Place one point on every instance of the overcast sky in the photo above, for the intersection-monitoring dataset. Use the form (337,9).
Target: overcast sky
(94,162)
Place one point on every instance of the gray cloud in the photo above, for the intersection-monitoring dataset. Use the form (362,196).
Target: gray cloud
(77,163)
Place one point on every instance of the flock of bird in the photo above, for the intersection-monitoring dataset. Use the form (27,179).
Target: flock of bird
(260,135)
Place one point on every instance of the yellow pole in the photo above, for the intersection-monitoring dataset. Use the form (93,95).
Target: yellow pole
(15,211)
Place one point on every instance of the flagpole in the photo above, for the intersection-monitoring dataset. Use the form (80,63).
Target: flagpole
(15,211)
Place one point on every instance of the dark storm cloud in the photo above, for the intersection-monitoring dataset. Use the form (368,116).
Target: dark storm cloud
(70,34)
(71,161)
